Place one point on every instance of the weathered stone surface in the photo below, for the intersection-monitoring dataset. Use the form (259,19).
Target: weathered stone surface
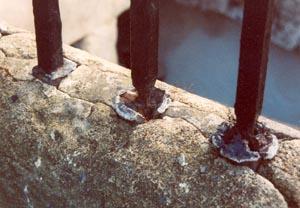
(19,45)
(66,147)
(20,68)
(201,104)
(206,122)
(90,83)
(284,171)
(152,163)
(286,27)
(46,140)
(66,151)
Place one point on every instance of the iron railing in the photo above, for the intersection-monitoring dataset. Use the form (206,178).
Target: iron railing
(144,14)
(48,29)
(254,50)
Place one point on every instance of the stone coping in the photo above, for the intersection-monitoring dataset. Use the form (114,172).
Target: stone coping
(65,146)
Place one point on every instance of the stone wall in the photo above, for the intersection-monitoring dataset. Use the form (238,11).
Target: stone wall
(66,147)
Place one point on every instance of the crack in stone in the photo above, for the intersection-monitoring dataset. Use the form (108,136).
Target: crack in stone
(275,187)
(283,137)
(215,112)
(10,75)
(57,88)
(82,99)
(24,57)
(91,112)
(189,122)
(5,54)
(15,79)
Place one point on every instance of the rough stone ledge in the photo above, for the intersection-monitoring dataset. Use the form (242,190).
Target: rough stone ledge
(66,147)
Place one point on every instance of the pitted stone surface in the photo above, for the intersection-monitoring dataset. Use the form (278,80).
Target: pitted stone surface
(153,155)
(21,69)
(19,45)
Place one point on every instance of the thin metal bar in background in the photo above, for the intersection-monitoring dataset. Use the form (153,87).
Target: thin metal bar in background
(48,29)
(254,49)
(144,29)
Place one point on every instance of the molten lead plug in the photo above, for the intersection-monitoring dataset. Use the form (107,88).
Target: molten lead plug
(146,102)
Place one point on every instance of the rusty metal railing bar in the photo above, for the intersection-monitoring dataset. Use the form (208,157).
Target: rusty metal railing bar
(246,140)
(254,50)
(144,29)
(48,30)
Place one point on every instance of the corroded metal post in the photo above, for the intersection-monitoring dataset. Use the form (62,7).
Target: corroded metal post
(247,140)
(254,49)
(48,29)
(145,102)
(144,27)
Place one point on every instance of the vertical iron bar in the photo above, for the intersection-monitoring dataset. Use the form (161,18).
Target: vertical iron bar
(144,28)
(48,28)
(254,49)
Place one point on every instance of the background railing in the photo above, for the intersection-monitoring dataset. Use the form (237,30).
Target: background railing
(144,33)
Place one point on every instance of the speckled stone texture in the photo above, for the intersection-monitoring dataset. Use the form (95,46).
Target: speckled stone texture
(66,147)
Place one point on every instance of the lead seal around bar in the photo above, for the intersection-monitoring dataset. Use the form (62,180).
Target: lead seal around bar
(130,107)
(235,145)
